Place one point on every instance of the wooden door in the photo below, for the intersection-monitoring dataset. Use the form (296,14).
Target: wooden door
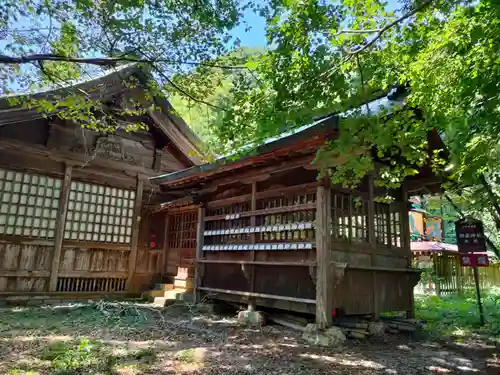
(180,241)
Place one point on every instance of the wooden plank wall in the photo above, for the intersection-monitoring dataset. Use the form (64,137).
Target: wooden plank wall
(260,244)
(97,225)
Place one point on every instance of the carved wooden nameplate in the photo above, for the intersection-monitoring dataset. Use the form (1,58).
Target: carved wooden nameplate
(111,147)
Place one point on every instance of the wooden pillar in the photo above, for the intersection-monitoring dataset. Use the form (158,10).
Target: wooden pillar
(253,223)
(164,253)
(136,222)
(199,252)
(324,279)
(60,226)
(373,243)
(405,232)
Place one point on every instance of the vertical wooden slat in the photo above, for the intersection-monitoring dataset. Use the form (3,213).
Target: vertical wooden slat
(324,282)
(136,220)
(60,225)
(199,251)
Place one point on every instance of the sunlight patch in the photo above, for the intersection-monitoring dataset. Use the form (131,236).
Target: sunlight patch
(354,362)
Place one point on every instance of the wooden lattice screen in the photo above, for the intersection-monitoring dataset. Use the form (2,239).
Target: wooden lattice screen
(182,234)
(91,284)
(100,214)
(349,217)
(29,204)
(388,224)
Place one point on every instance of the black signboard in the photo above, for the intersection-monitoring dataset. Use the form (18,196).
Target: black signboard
(470,236)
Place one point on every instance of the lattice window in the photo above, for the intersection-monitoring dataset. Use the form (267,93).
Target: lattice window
(87,284)
(395,229)
(28,204)
(349,217)
(99,213)
(387,225)
(182,230)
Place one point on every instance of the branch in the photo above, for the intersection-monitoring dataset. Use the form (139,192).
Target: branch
(390,25)
(493,198)
(358,31)
(183,92)
(101,61)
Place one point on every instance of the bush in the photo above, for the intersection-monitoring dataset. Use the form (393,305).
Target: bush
(80,358)
(459,315)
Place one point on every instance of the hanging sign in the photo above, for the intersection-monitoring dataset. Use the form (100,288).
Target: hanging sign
(470,241)
(433,229)
(470,236)
(474,260)
(416,221)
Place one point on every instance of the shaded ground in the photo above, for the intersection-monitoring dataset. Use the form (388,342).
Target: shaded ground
(133,339)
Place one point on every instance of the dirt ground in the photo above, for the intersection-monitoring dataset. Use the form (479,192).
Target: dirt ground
(181,340)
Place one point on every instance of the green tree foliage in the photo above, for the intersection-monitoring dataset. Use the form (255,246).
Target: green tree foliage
(330,57)
(54,42)
(324,57)
(206,120)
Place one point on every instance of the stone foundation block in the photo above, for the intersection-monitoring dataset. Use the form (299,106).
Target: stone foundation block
(376,328)
(332,336)
(251,318)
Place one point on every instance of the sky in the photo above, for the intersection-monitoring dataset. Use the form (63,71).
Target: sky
(256,35)
(251,31)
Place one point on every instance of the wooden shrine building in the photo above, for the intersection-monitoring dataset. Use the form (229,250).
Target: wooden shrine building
(71,199)
(264,230)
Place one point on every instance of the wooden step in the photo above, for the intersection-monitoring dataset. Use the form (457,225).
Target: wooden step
(173,295)
(161,286)
(187,284)
(151,294)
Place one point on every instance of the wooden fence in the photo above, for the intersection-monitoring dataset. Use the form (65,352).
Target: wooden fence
(449,277)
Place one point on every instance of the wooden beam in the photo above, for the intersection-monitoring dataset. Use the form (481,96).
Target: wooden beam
(282,191)
(268,211)
(258,173)
(136,222)
(260,263)
(200,229)
(60,226)
(25,273)
(324,280)
(77,159)
(170,129)
(259,295)
(90,274)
